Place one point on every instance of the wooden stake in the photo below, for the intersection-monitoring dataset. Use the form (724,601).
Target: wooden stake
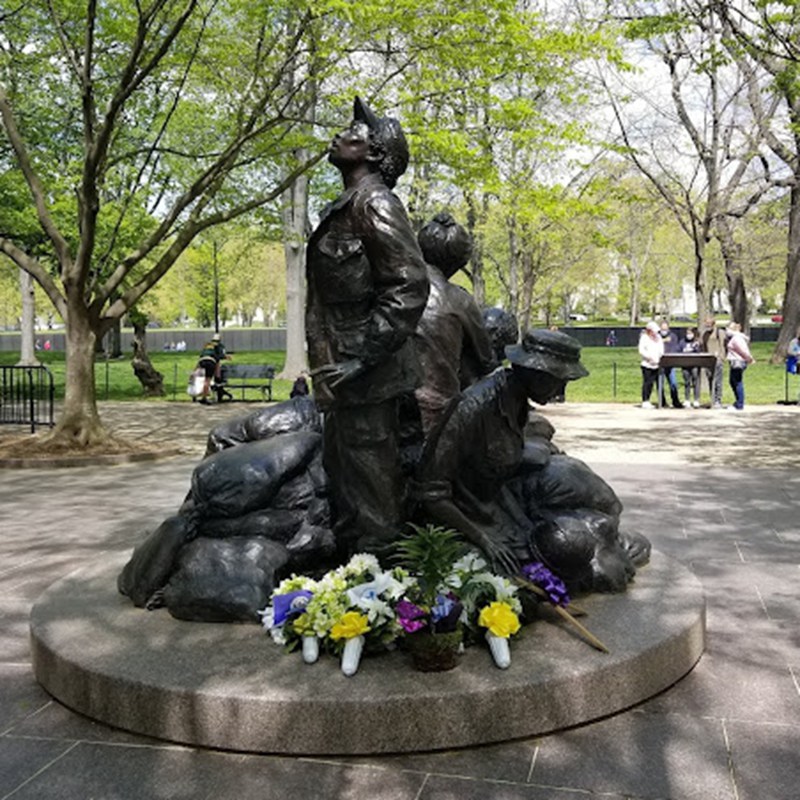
(564,614)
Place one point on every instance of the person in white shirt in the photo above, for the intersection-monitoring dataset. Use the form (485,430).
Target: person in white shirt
(739,357)
(651,348)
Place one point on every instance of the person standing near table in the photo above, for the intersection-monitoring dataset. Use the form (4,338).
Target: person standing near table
(651,348)
(367,289)
(739,358)
(691,375)
(712,340)
(671,346)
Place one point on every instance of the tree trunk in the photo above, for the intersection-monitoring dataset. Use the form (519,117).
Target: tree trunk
(732,259)
(79,424)
(526,296)
(295,225)
(791,299)
(478,285)
(700,278)
(115,337)
(513,267)
(151,379)
(27,355)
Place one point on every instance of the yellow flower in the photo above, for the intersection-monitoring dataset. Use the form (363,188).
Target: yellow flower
(499,619)
(351,624)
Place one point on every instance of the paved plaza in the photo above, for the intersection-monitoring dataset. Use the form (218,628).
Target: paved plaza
(717,490)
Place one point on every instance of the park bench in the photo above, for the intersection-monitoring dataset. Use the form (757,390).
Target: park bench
(244,377)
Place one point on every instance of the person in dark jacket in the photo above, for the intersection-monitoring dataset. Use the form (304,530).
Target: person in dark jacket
(211,357)
(367,288)
(300,387)
(691,375)
(671,345)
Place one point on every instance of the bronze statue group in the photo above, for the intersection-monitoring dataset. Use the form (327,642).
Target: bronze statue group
(413,418)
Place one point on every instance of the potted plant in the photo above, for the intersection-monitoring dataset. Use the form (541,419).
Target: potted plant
(430,612)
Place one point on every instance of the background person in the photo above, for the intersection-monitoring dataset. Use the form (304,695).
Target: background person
(211,357)
(712,340)
(651,348)
(300,386)
(671,345)
(691,375)
(792,356)
(739,357)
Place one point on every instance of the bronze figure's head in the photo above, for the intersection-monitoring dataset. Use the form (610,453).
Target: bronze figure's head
(445,244)
(383,141)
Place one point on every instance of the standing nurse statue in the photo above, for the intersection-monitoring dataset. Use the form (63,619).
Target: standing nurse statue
(367,288)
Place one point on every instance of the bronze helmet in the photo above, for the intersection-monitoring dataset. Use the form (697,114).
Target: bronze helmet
(553,352)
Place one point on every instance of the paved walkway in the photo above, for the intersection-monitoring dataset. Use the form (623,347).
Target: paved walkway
(717,490)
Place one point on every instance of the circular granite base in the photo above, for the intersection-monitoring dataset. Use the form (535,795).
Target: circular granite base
(108,460)
(230,687)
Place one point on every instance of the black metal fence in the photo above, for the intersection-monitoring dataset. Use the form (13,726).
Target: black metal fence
(26,396)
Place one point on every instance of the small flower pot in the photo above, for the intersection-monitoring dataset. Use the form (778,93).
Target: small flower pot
(434,652)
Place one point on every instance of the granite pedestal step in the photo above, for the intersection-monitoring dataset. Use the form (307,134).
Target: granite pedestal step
(230,687)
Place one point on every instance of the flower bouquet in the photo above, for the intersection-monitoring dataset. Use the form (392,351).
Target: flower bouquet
(438,595)
(490,604)
(346,610)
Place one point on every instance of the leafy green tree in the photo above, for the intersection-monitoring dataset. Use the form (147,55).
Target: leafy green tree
(9,295)
(698,147)
(767,36)
(497,111)
(135,128)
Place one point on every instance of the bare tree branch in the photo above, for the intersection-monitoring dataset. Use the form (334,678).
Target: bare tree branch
(190,230)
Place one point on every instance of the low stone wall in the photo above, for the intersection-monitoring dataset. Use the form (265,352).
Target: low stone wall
(241,339)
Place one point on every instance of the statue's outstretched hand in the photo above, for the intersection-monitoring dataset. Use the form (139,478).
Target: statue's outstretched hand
(335,374)
(501,557)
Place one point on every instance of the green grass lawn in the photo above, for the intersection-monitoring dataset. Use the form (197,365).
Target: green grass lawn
(115,380)
(614,376)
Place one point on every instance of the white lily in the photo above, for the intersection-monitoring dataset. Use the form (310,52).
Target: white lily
(371,590)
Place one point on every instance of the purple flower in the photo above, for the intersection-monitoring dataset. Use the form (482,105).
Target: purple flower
(445,613)
(442,606)
(411,617)
(289,605)
(538,574)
